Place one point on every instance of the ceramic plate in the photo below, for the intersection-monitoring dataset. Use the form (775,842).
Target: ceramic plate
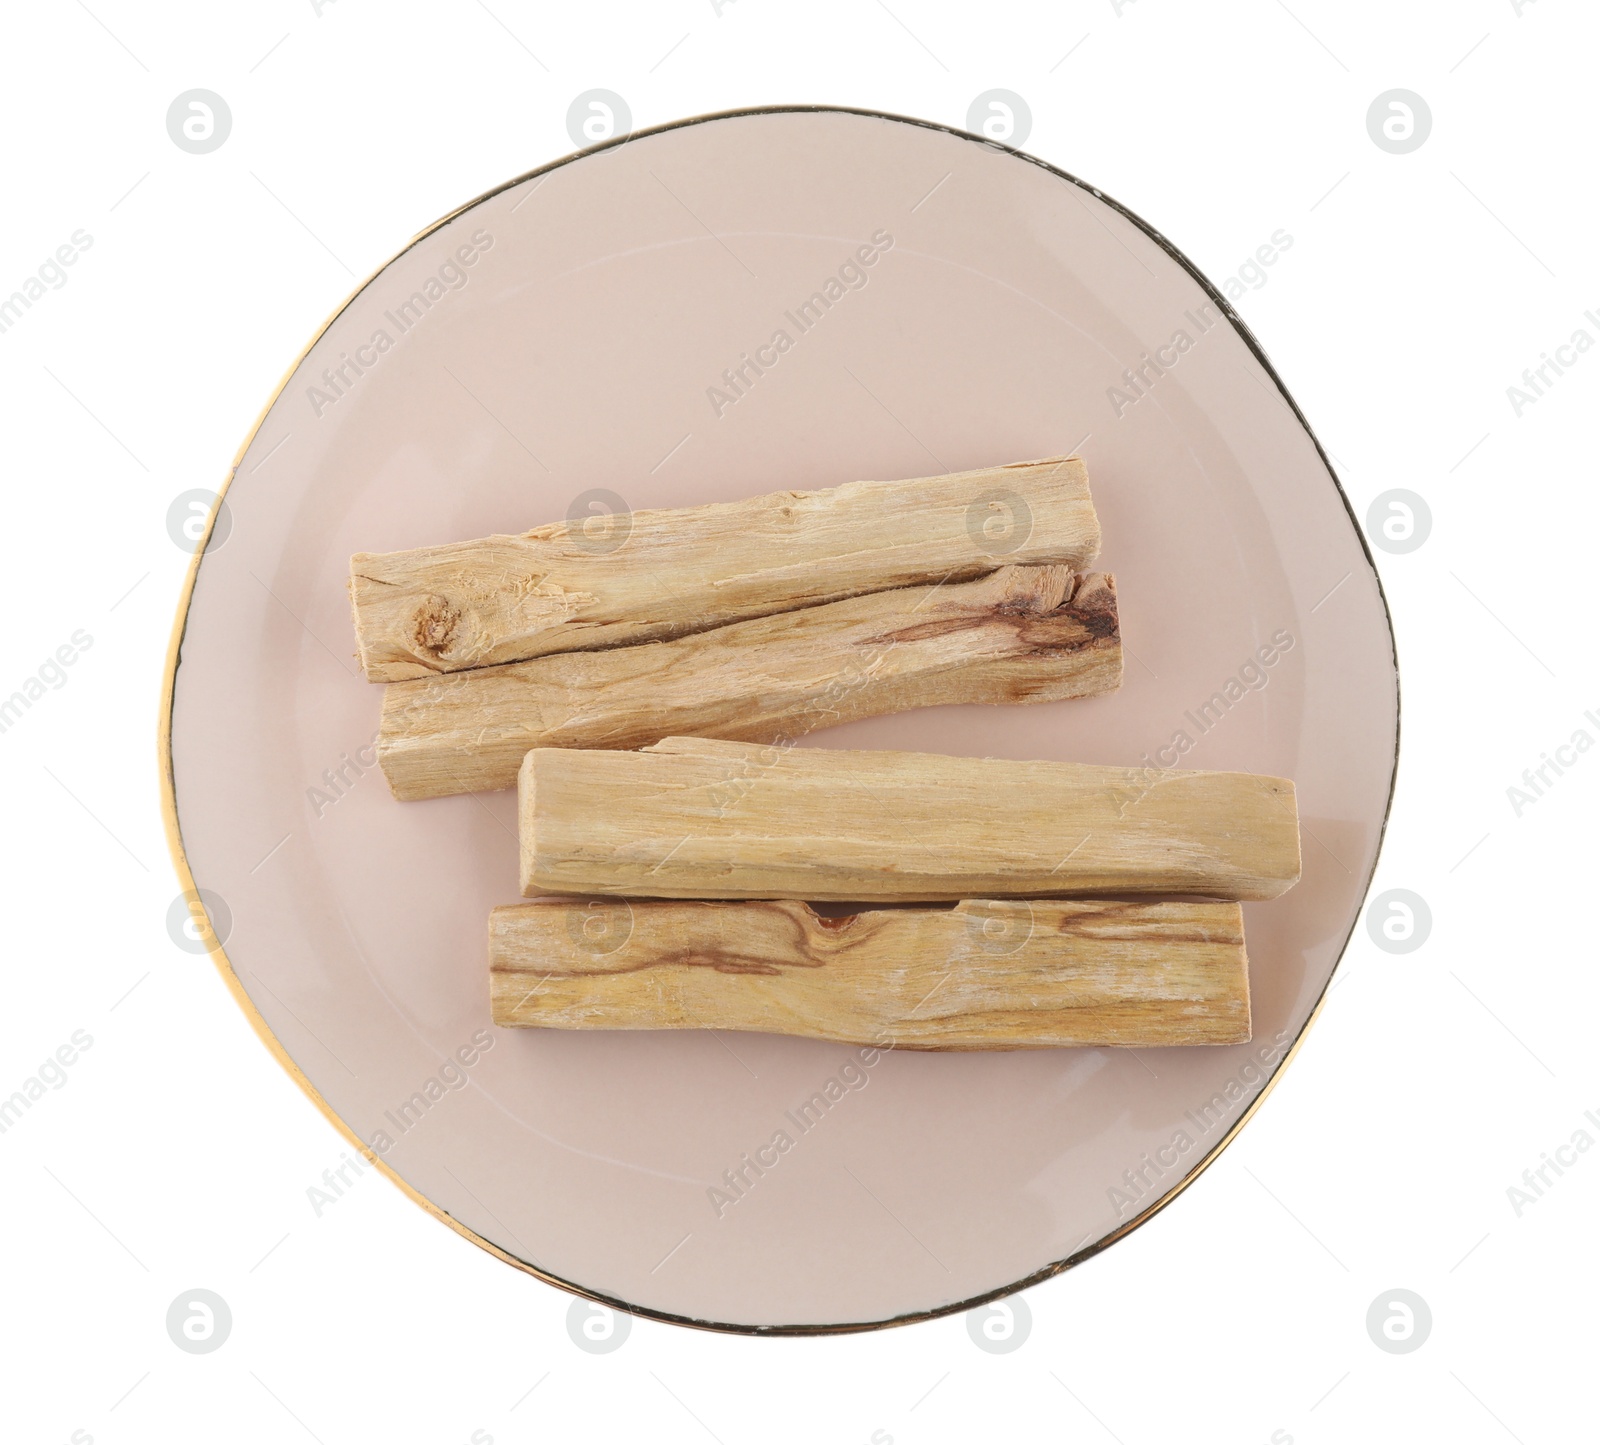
(573,342)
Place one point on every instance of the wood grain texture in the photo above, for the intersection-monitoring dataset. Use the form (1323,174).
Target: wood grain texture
(994,974)
(697,818)
(650,575)
(1021,634)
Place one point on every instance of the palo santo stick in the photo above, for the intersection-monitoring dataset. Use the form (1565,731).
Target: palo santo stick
(1022,634)
(645,576)
(694,818)
(986,975)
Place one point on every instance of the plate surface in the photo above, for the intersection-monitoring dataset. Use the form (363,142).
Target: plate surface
(570,334)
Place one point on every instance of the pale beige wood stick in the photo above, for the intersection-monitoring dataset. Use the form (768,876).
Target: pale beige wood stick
(995,974)
(1022,634)
(644,576)
(696,818)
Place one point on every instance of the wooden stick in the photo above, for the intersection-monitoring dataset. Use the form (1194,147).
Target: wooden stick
(645,576)
(695,818)
(984,975)
(1022,634)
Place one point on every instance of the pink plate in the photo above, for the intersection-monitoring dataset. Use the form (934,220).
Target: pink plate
(577,332)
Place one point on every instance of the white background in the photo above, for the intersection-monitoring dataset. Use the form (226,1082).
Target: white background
(177,1154)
